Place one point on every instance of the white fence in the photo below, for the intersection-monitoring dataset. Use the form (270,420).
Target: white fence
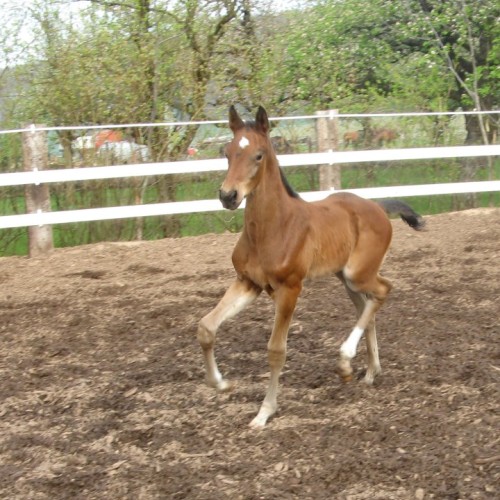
(169,168)
(44,177)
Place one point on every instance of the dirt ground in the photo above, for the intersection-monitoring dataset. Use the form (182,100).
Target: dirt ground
(102,393)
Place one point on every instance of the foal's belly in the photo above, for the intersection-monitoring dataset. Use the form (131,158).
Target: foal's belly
(309,258)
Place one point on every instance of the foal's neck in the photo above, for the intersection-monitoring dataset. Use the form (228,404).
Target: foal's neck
(268,205)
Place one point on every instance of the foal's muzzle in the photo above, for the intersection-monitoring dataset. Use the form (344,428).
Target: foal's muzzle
(229,199)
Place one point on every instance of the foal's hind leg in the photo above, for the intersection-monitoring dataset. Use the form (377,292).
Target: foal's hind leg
(372,293)
(240,294)
(373,369)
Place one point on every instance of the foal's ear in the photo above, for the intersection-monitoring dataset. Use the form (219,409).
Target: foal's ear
(261,120)
(235,122)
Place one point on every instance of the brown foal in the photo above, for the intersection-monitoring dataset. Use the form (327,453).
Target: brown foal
(285,240)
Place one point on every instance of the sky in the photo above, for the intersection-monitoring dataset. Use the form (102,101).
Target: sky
(17,25)
(16,22)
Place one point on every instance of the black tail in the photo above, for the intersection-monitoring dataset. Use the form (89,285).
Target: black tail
(396,207)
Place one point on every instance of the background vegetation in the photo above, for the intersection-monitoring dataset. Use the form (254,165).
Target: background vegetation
(135,61)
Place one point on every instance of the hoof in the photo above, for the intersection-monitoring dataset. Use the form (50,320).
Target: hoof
(266,411)
(257,424)
(369,377)
(344,370)
(224,386)
(220,385)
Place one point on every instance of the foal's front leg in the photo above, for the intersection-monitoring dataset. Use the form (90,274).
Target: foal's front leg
(285,299)
(240,294)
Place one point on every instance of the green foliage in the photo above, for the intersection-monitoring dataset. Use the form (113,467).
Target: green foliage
(139,61)
(361,55)
(463,35)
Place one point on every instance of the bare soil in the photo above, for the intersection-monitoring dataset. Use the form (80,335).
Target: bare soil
(102,393)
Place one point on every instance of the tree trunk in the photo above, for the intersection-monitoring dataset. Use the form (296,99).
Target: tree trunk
(35,157)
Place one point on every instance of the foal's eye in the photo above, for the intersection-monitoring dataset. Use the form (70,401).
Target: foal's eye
(259,156)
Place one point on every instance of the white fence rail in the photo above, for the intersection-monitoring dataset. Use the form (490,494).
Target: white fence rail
(149,169)
(186,167)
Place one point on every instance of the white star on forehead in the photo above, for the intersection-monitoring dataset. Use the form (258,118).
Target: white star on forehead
(244,142)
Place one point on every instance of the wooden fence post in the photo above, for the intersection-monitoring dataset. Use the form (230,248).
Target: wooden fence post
(328,139)
(35,157)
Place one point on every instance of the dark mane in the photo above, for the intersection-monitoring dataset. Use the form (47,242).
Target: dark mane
(289,189)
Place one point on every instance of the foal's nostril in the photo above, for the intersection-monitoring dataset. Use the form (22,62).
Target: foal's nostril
(228,198)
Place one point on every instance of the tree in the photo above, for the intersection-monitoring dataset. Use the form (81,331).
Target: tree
(466,37)
(130,62)
(337,53)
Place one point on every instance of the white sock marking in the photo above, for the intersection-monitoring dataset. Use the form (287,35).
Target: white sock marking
(348,348)
(217,376)
(244,142)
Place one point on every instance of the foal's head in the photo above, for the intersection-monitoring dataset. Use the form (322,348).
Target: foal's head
(247,154)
